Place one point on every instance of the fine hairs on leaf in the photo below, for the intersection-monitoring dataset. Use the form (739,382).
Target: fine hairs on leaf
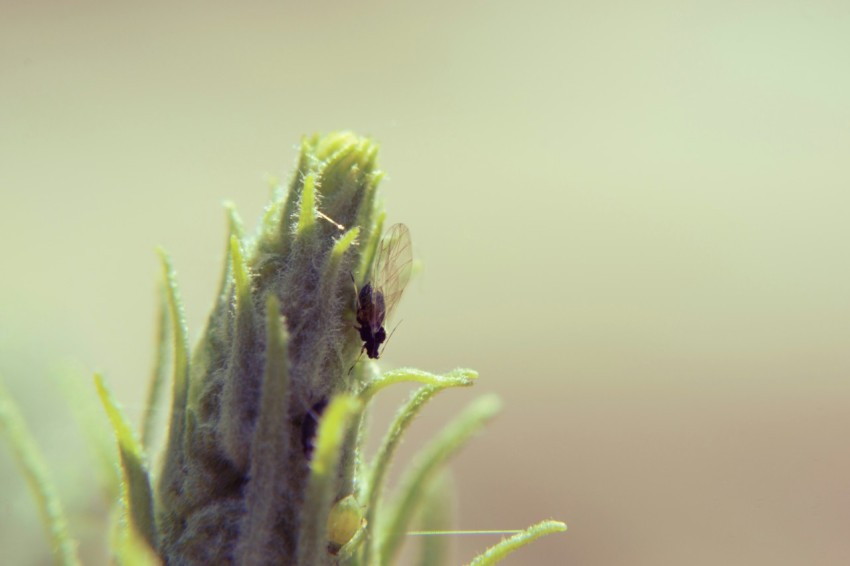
(136,496)
(498,551)
(179,333)
(160,369)
(332,430)
(269,443)
(381,462)
(426,464)
(263,458)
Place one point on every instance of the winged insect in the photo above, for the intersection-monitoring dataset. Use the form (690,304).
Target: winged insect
(377,299)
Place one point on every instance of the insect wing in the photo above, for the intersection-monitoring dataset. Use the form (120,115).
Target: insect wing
(393,266)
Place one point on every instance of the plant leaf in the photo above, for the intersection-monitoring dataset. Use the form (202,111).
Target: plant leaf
(172,468)
(498,551)
(238,398)
(136,494)
(456,378)
(370,249)
(426,464)
(32,465)
(307,210)
(333,428)
(160,369)
(264,497)
(382,459)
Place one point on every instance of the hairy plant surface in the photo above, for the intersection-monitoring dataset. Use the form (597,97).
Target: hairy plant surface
(263,460)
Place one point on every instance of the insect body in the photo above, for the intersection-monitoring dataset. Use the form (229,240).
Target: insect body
(378,297)
(370,316)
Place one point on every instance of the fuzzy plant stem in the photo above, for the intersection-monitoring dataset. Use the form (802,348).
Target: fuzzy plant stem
(238,484)
(263,462)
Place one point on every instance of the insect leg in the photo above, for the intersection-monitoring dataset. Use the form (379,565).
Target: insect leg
(360,355)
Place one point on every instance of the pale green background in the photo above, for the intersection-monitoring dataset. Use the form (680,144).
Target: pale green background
(633,218)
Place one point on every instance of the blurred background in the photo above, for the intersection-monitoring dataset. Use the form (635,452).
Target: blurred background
(633,221)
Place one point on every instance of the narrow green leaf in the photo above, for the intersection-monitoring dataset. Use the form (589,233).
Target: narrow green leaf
(234,222)
(32,464)
(383,458)
(238,397)
(343,167)
(456,378)
(222,301)
(307,210)
(234,230)
(278,221)
(136,494)
(498,551)
(160,369)
(240,273)
(343,243)
(177,428)
(264,496)
(426,464)
(367,216)
(329,278)
(370,249)
(333,427)
(329,146)
(271,215)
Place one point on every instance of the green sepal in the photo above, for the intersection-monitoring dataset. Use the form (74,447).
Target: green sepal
(321,488)
(307,208)
(460,377)
(136,495)
(238,398)
(160,369)
(500,550)
(180,335)
(270,446)
(370,248)
(427,463)
(381,462)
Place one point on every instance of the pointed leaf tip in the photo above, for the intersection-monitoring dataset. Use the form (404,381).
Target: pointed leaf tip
(500,550)
(136,493)
(307,212)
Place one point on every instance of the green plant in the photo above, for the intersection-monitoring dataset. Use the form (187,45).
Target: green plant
(237,484)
